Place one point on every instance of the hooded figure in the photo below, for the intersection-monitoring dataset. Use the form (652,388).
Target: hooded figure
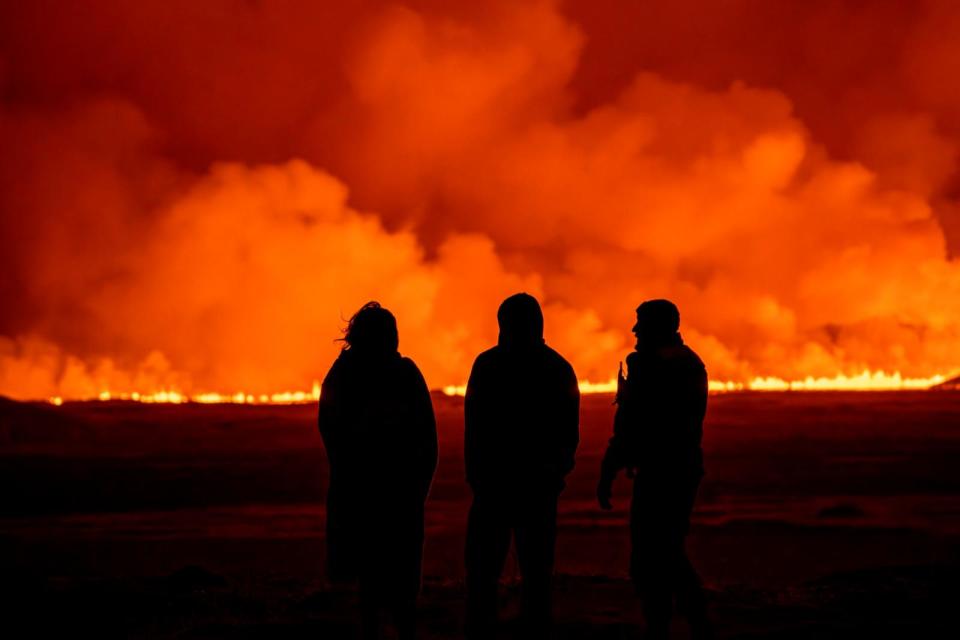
(656,439)
(378,428)
(522,429)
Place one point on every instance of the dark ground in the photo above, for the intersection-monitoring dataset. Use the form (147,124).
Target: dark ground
(823,515)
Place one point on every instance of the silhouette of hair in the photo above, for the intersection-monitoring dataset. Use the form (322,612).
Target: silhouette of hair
(372,329)
(658,318)
(521,320)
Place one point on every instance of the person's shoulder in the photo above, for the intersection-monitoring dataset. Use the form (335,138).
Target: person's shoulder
(683,358)
(486,368)
(692,358)
(336,369)
(408,367)
(557,360)
(488,357)
(638,362)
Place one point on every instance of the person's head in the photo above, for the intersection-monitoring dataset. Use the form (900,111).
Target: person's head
(372,329)
(521,321)
(658,322)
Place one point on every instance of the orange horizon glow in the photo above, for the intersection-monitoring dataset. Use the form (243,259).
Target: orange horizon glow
(865,381)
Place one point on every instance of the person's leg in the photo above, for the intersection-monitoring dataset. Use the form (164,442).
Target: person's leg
(536,534)
(652,580)
(405,618)
(691,600)
(488,541)
(403,570)
(648,562)
(369,609)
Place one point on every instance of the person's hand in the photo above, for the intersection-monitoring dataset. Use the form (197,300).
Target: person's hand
(603,495)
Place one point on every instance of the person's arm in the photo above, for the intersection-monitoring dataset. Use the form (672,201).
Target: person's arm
(426,426)
(473,425)
(614,459)
(612,462)
(328,413)
(702,386)
(569,422)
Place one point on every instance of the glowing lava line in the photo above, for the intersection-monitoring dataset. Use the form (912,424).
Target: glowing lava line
(865,381)
(168,396)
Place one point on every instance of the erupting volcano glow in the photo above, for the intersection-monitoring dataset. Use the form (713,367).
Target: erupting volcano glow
(177,397)
(205,219)
(866,381)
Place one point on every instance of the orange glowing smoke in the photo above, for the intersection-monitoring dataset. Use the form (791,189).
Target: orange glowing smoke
(194,195)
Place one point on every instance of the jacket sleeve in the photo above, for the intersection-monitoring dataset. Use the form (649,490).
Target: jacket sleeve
(616,455)
(473,415)
(328,414)
(701,390)
(569,422)
(613,459)
(426,433)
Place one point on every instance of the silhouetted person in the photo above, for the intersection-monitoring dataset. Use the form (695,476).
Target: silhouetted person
(378,427)
(656,439)
(522,428)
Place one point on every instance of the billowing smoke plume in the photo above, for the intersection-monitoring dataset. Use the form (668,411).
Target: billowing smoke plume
(196,195)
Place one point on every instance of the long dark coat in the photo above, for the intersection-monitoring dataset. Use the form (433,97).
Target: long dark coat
(379,430)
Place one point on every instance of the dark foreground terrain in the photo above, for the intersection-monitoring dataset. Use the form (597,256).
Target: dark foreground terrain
(824,515)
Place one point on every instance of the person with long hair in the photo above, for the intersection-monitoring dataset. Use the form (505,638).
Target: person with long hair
(379,431)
